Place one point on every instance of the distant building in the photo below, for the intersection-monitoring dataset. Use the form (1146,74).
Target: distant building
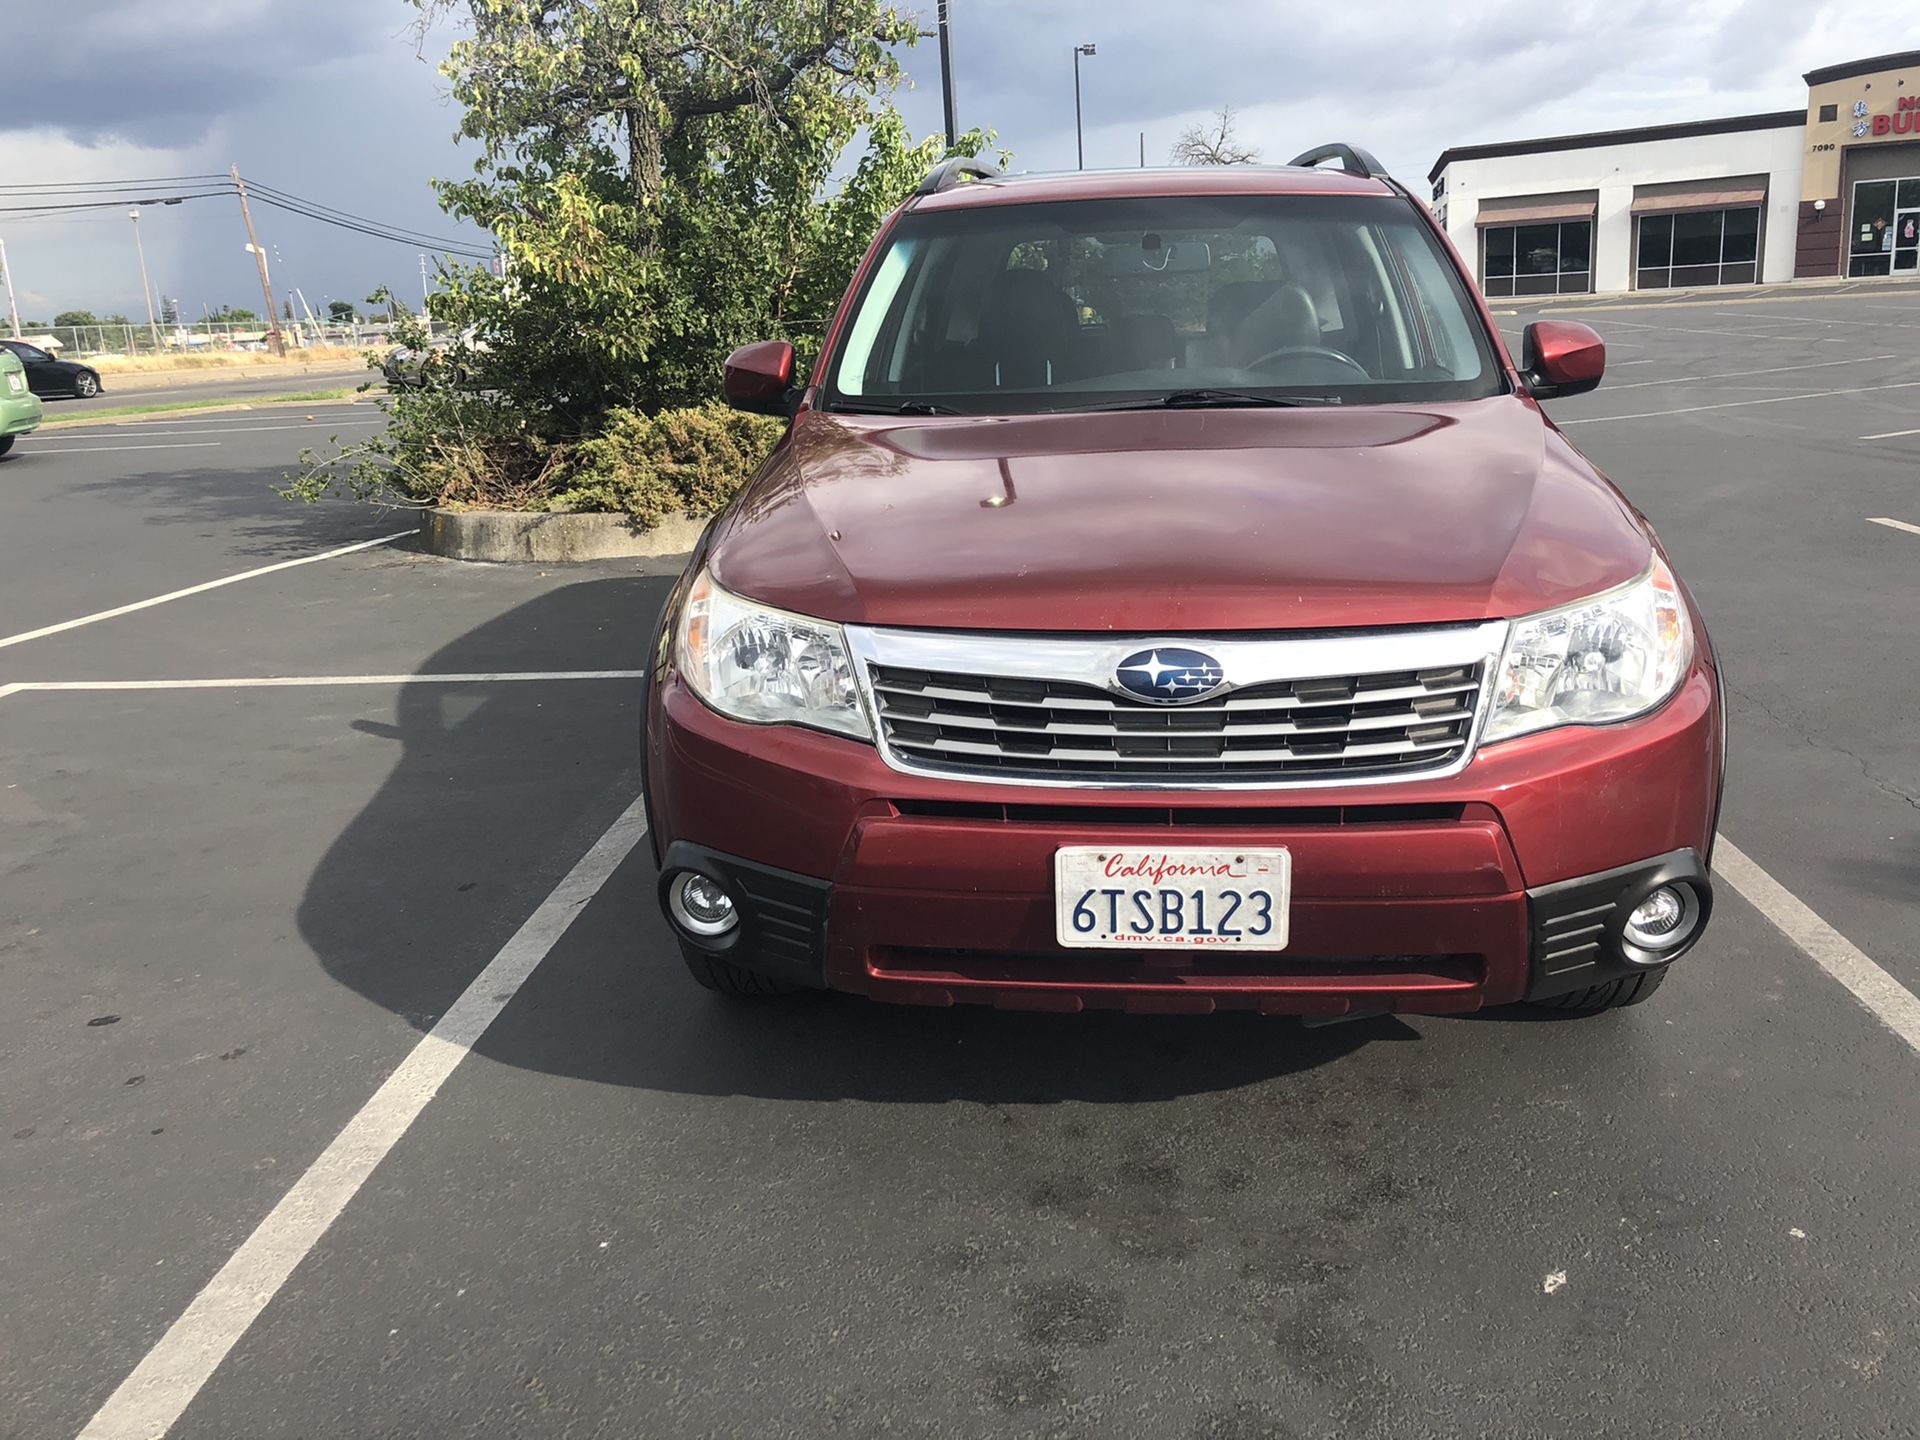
(1831,190)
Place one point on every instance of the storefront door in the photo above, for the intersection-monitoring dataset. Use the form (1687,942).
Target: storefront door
(1906,240)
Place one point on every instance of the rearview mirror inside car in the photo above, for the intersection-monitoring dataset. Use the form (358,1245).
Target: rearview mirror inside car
(1559,357)
(1152,257)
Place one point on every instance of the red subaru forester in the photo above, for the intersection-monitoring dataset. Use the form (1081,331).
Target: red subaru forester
(1171,596)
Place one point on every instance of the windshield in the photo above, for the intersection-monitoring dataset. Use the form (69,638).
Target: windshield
(1006,309)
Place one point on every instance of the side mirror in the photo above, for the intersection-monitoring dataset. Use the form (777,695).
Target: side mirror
(1558,357)
(757,377)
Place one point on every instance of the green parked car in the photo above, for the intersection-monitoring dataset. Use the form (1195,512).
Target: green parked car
(19,406)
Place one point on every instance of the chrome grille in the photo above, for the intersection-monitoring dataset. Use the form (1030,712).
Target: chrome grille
(1039,709)
(1346,725)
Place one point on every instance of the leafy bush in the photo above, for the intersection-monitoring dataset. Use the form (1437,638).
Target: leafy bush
(664,180)
(650,466)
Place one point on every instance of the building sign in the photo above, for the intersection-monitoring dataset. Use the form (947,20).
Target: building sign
(1903,120)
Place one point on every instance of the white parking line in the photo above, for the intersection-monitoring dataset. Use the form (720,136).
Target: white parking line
(1890,434)
(102,449)
(1895,1006)
(1823,320)
(1892,524)
(1736,404)
(276,682)
(1742,374)
(210,430)
(1687,330)
(163,1384)
(99,615)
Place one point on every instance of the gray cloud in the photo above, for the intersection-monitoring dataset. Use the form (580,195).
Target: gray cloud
(165,72)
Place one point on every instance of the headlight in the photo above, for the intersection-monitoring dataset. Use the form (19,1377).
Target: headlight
(1609,658)
(765,666)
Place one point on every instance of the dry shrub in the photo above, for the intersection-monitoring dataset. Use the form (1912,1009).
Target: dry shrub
(650,466)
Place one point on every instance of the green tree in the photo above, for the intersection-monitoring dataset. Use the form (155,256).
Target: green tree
(665,179)
(340,311)
(651,169)
(233,315)
(75,317)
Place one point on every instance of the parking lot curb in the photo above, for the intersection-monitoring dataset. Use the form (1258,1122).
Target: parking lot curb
(506,537)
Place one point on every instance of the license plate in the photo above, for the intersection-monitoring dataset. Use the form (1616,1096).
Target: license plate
(1109,898)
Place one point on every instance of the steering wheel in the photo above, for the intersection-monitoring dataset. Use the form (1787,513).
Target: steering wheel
(1318,352)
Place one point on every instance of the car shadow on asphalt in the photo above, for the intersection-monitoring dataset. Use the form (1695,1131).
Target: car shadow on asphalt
(498,789)
(240,506)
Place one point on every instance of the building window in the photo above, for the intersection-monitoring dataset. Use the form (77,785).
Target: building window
(1555,258)
(1829,112)
(1884,238)
(1699,247)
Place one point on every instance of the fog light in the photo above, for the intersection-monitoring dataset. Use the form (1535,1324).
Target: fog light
(701,905)
(1664,920)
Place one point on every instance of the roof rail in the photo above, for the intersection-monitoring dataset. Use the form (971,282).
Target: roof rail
(1352,158)
(957,171)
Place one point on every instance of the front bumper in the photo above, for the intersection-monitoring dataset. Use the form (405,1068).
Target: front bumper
(1421,896)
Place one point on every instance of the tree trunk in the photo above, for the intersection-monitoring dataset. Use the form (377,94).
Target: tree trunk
(645,160)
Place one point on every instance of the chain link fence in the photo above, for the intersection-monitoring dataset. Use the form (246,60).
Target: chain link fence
(73,342)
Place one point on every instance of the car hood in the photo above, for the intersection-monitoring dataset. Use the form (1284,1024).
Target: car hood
(1179,520)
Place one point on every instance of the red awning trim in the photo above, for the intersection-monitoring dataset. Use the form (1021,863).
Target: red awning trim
(1701,199)
(1511,212)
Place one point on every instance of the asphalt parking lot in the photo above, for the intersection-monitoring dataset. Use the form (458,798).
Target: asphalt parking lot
(352,1086)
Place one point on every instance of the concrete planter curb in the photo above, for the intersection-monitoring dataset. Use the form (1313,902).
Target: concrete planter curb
(507,536)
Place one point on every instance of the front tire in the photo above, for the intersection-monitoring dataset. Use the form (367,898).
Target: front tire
(86,385)
(725,978)
(1612,995)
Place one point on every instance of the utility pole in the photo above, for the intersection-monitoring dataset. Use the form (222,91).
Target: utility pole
(1143,149)
(946,71)
(1079,135)
(425,294)
(13,310)
(274,341)
(146,286)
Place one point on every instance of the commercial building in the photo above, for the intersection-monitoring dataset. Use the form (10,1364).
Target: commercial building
(1831,190)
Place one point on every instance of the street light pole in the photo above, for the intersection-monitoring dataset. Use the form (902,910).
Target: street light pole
(146,286)
(946,71)
(13,310)
(1079,136)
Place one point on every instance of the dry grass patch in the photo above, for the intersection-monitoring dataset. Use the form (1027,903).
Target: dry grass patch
(222,360)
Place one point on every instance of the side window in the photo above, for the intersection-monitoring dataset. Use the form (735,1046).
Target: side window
(1446,328)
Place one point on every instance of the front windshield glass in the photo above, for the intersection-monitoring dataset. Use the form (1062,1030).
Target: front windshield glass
(1017,308)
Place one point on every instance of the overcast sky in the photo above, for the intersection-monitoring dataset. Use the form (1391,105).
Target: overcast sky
(329,100)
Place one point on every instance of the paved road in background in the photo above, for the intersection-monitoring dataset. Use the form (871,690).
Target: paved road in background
(227,914)
(292,379)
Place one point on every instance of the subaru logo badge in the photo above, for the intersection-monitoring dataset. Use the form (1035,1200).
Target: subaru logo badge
(1169,675)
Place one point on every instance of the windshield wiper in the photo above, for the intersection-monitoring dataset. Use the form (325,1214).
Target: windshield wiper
(904,407)
(1210,398)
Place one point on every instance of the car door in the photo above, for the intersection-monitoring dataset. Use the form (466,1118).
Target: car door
(43,371)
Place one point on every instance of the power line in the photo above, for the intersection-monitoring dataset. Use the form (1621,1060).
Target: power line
(135,183)
(263,189)
(377,233)
(76,199)
(114,204)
